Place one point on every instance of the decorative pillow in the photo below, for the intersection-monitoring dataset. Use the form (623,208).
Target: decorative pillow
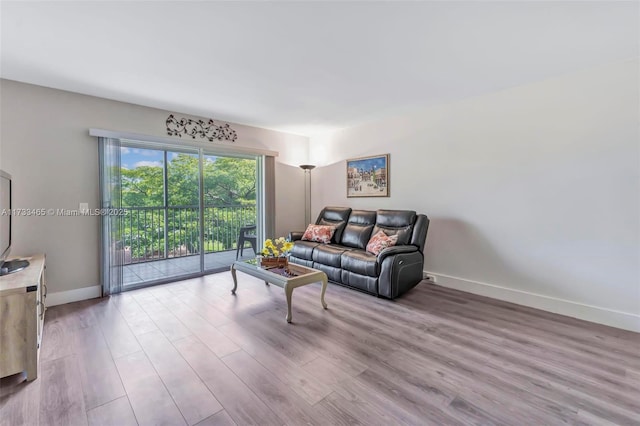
(381,241)
(319,233)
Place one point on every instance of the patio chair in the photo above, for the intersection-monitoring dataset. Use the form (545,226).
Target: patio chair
(246,234)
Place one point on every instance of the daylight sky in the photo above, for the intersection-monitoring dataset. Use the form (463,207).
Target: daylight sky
(137,157)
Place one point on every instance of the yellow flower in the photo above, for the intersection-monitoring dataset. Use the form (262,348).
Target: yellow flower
(276,247)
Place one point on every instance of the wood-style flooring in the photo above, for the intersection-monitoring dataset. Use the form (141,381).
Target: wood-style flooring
(191,353)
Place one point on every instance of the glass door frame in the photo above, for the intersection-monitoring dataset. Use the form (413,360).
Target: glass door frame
(259,159)
(201,152)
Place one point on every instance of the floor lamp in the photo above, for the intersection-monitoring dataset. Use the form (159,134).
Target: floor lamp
(307,193)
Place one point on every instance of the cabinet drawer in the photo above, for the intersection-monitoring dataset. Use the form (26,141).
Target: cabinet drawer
(13,333)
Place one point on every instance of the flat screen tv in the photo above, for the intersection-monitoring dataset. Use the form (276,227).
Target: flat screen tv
(7,267)
(5,215)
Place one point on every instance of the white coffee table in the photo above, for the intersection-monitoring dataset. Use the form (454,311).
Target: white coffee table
(299,275)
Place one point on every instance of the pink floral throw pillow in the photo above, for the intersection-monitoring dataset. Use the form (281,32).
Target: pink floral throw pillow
(381,241)
(319,233)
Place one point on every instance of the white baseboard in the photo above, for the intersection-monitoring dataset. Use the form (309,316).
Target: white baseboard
(62,297)
(618,319)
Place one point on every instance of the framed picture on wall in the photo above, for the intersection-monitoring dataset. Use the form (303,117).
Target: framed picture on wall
(368,176)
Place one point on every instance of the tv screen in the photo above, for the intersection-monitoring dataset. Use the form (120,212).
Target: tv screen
(5,216)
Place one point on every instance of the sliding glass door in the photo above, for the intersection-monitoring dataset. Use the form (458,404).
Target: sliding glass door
(186,212)
(229,209)
(182,212)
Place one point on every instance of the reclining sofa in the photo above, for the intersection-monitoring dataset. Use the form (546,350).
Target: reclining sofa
(345,260)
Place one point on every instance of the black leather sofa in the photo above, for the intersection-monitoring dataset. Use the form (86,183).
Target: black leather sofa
(391,273)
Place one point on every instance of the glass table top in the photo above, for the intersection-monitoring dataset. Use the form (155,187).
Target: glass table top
(287,272)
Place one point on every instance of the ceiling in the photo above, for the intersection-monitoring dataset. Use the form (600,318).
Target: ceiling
(306,67)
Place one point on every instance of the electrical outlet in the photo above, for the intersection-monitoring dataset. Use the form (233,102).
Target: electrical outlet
(429,277)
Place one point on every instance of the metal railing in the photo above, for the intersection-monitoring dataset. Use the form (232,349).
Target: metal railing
(155,233)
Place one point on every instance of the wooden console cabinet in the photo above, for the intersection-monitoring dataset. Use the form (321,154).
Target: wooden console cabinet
(22,307)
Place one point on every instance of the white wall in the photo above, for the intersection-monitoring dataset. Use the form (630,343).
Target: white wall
(533,192)
(46,146)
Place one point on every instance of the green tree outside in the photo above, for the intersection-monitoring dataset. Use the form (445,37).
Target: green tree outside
(229,198)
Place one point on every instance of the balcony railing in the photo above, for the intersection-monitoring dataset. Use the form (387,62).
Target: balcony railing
(155,233)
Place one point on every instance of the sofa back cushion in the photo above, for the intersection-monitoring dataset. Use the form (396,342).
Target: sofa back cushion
(420,228)
(358,229)
(334,216)
(396,222)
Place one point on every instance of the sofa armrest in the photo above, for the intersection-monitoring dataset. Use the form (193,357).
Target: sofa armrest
(391,251)
(400,272)
(295,236)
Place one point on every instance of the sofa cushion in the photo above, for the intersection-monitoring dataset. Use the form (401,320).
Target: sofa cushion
(360,262)
(356,236)
(334,216)
(333,274)
(304,249)
(329,254)
(319,233)
(396,222)
(303,262)
(361,282)
(381,241)
(358,230)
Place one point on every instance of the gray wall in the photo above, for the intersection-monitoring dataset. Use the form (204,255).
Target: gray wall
(533,192)
(45,145)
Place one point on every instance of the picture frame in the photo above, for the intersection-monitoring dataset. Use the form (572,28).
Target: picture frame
(368,176)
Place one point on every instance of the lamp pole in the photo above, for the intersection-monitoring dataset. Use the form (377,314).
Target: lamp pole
(307,192)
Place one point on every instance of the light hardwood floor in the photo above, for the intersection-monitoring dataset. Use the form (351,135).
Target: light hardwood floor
(191,353)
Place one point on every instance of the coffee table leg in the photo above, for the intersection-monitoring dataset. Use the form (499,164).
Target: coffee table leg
(324,289)
(288,291)
(235,280)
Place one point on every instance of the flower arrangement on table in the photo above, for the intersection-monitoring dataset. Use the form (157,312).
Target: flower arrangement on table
(275,252)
